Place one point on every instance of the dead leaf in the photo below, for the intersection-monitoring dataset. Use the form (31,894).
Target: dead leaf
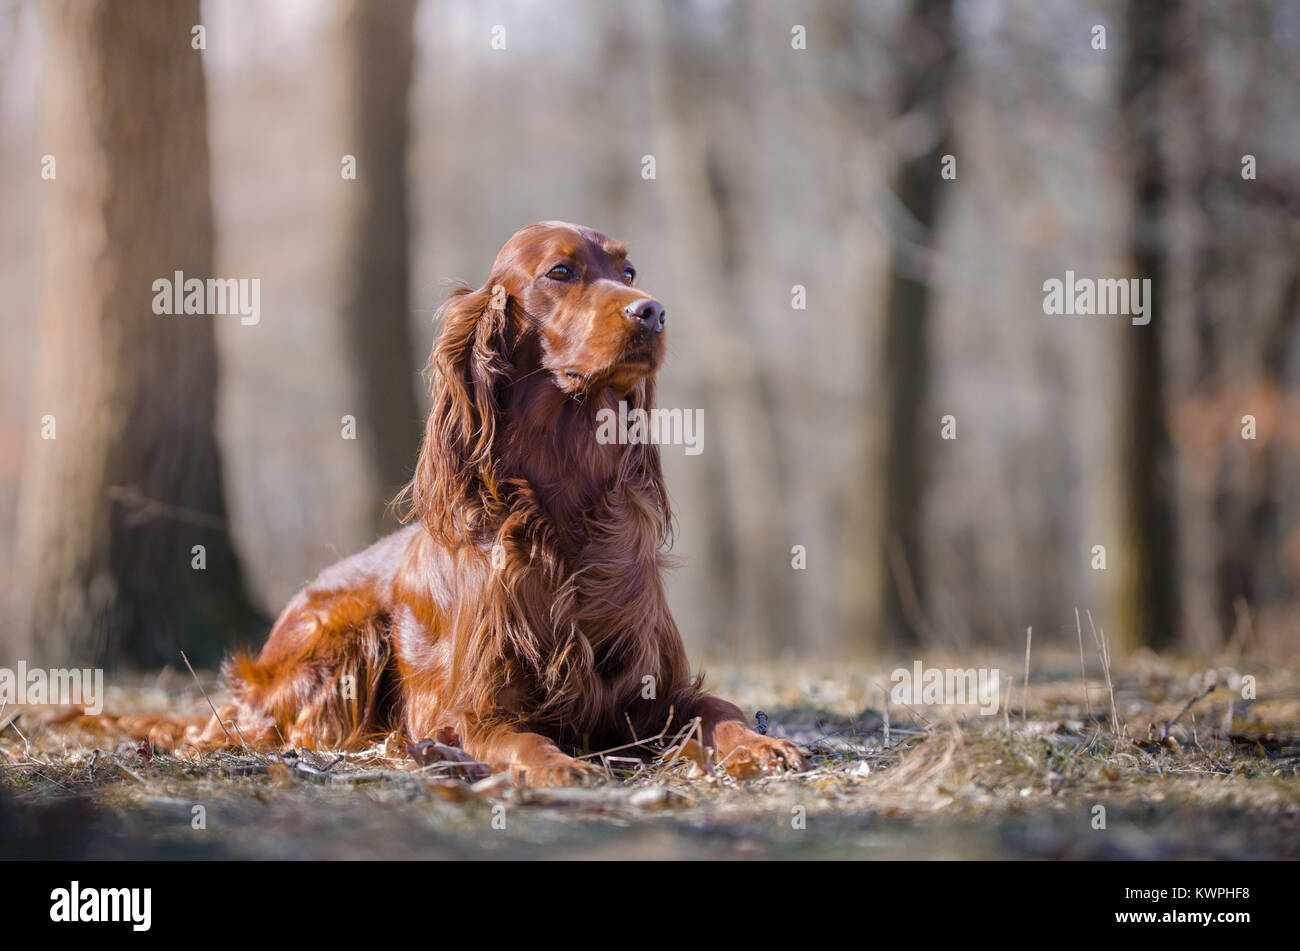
(427,752)
(693,751)
(312,759)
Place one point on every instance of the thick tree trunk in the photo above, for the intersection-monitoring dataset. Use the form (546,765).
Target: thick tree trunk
(927,53)
(377,52)
(1148,588)
(113,507)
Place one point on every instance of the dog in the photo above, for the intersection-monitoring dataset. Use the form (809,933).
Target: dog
(522,607)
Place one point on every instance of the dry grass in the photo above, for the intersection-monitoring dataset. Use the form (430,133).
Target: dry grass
(1181,771)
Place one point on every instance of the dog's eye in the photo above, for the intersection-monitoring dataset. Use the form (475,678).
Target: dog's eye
(561,272)
(629,274)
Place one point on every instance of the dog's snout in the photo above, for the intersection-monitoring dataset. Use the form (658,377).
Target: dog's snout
(648,312)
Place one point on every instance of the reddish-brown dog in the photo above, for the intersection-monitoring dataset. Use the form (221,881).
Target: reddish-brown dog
(524,608)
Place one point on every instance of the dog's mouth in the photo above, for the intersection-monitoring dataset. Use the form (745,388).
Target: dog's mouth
(628,370)
(642,356)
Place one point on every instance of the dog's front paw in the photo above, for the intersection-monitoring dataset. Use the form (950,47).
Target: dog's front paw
(744,753)
(559,771)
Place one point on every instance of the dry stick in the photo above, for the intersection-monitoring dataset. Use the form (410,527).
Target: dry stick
(886,708)
(51,779)
(12,719)
(625,746)
(1083,670)
(13,725)
(27,750)
(1024,703)
(928,725)
(1164,732)
(1110,685)
(672,712)
(658,737)
(678,745)
(1006,706)
(1104,650)
(211,706)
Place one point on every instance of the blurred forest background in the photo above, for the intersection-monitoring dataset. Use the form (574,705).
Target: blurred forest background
(795,143)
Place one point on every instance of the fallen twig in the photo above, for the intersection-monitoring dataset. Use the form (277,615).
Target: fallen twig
(211,706)
(1210,687)
(1024,693)
(1083,669)
(1103,649)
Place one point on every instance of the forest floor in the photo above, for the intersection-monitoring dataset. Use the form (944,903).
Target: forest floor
(1049,775)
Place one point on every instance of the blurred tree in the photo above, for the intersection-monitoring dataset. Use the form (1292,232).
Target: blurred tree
(1231,342)
(1148,562)
(376,51)
(925,69)
(702,75)
(113,508)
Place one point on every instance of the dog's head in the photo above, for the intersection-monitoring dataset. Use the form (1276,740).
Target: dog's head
(580,316)
(560,304)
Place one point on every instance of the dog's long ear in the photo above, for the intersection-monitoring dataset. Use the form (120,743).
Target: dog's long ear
(454,489)
(644,459)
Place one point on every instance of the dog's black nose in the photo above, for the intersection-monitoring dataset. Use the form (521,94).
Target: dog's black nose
(648,312)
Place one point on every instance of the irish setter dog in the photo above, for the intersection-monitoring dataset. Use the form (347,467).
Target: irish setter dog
(524,606)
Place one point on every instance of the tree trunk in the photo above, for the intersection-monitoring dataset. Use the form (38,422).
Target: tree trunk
(925,76)
(113,507)
(751,565)
(1147,562)
(377,52)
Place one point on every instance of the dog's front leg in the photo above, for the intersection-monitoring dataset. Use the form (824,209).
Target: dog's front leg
(532,759)
(735,746)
